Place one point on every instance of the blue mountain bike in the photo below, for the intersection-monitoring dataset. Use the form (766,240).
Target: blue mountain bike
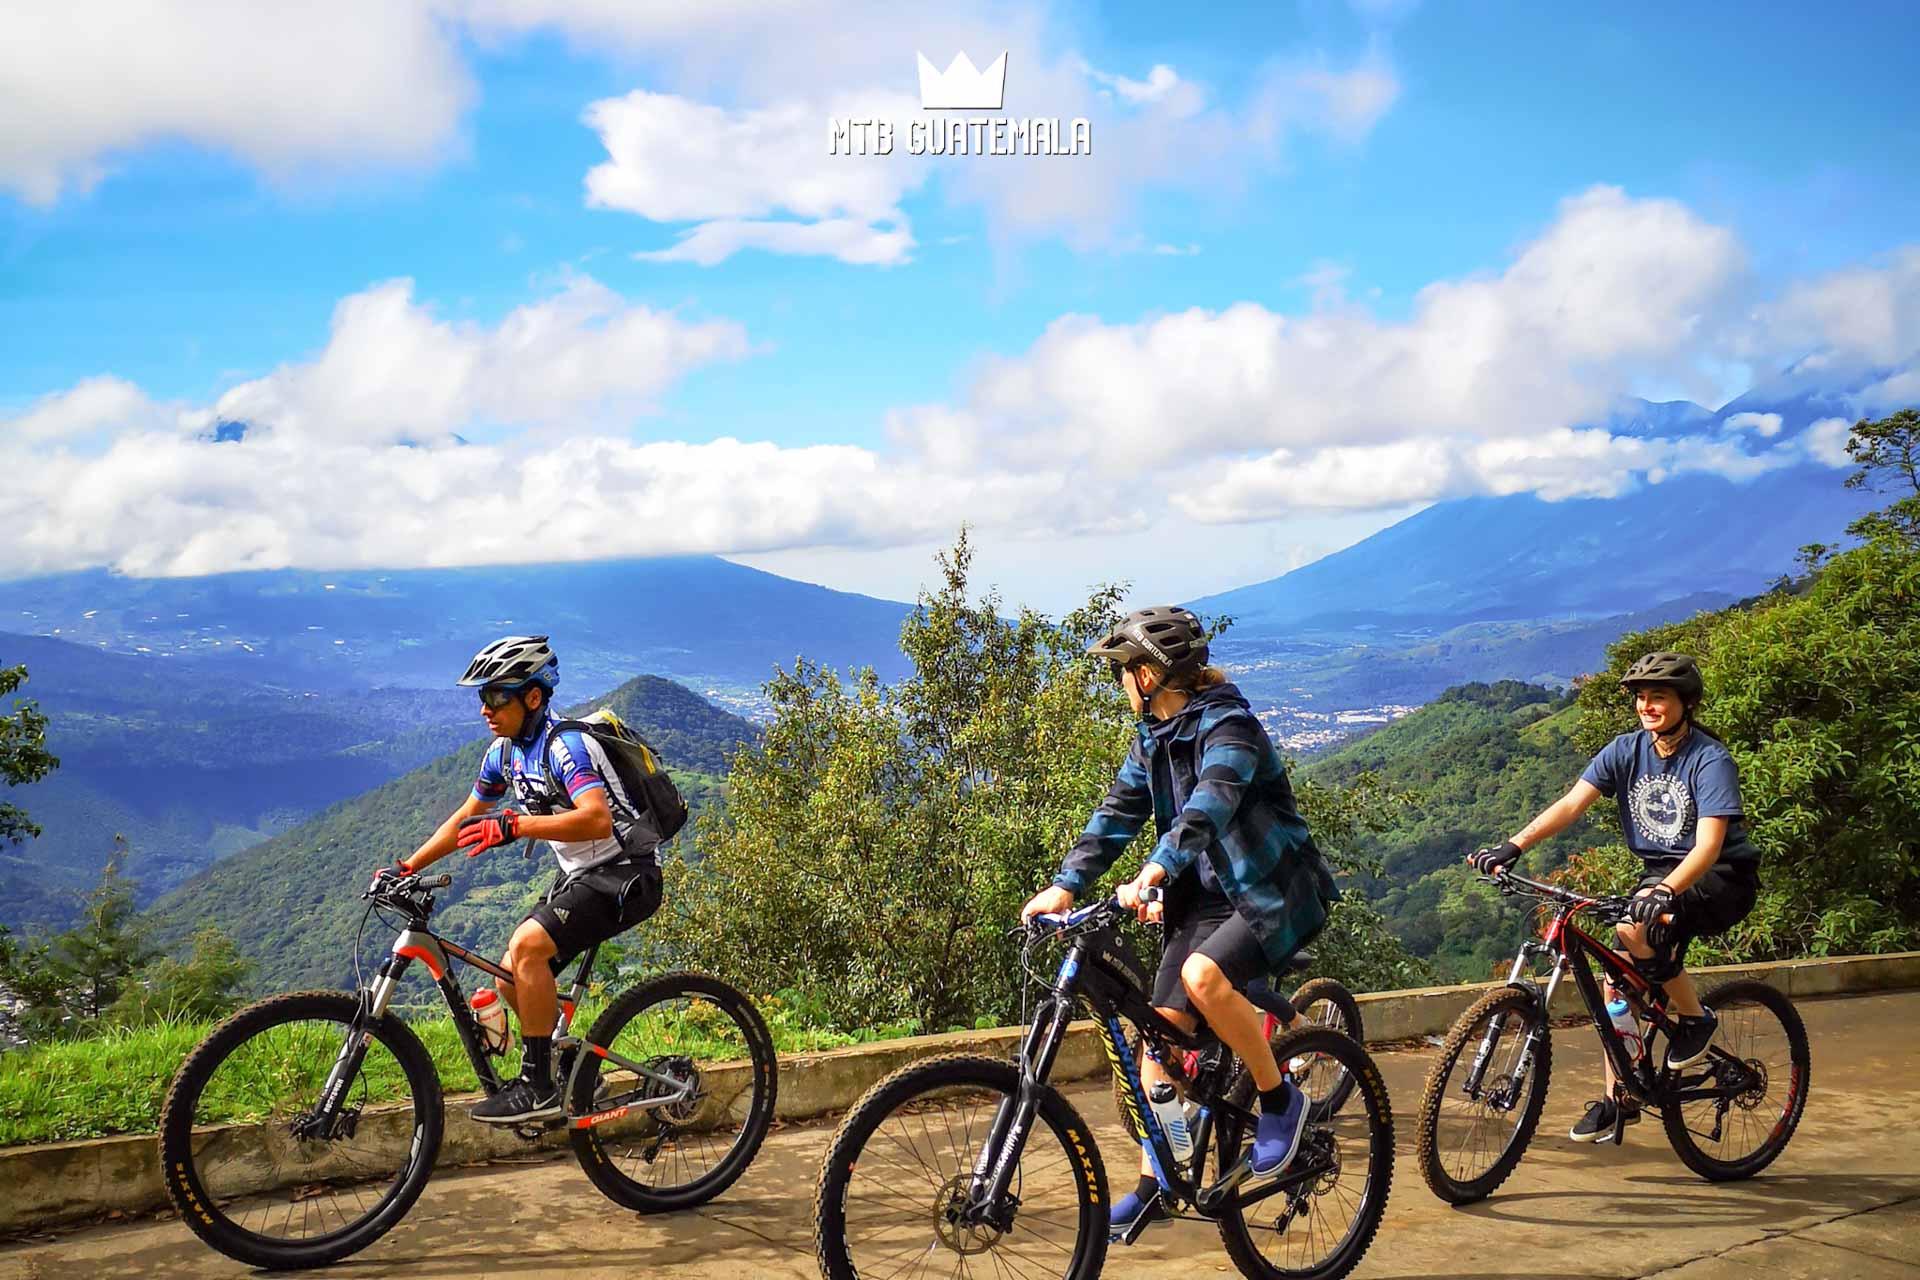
(965,1165)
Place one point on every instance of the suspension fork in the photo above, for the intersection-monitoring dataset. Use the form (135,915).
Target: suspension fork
(1483,1056)
(999,1157)
(353,1046)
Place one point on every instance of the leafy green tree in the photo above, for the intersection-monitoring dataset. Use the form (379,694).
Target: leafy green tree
(100,954)
(877,843)
(32,990)
(1888,453)
(199,988)
(23,755)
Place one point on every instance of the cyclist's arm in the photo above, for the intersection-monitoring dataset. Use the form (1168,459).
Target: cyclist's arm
(589,819)
(1111,829)
(1558,816)
(1708,838)
(1226,770)
(441,842)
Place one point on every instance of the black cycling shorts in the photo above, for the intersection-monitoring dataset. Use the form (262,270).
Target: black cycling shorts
(597,905)
(1715,903)
(1214,929)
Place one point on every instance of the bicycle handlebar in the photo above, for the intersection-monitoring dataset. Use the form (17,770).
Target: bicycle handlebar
(1510,881)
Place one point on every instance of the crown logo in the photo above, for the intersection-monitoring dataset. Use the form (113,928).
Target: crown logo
(960,87)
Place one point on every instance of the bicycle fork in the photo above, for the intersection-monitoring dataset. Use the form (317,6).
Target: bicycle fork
(988,1199)
(1483,1056)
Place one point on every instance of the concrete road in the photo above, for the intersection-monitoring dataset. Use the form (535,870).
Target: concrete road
(1842,1202)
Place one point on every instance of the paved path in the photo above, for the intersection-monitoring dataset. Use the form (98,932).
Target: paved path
(1843,1202)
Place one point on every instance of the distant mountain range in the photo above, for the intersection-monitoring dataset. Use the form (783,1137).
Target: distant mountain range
(699,619)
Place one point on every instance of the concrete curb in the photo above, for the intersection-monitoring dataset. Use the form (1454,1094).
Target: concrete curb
(61,1182)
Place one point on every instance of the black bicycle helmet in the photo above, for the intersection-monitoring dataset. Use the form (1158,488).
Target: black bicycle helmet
(514,660)
(1676,671)
(1164,634)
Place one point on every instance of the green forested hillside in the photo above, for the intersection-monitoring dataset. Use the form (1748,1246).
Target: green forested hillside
(293,903)
(1480,760)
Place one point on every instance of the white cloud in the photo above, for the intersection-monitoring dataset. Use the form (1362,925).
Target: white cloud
(1160,82)
(1863,315)
(91,405)
(843,238)
(1765,424)
(346,84)
(393,371)
(1826,442)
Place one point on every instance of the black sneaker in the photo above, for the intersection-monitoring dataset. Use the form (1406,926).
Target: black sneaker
(1691,1036)
(519,1102)
(1597,1124)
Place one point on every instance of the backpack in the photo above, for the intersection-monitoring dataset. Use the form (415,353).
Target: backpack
(642,775)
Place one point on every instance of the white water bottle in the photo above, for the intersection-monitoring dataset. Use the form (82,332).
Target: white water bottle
(1165,1101)
(491,1013)
(1624,1023)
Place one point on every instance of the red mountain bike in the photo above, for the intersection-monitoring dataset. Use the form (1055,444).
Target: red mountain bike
(1727,1116)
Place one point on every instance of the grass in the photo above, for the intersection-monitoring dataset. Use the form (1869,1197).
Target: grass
(115,1082)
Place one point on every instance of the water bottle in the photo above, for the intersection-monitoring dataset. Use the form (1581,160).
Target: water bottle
(1165,1101)
(1625,1024)
(491,1013)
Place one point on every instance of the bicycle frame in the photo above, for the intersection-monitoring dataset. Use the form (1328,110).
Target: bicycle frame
(418,943)
(1114,992)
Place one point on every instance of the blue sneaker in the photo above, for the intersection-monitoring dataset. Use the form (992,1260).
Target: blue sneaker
(1277,1135)
(1132,1215)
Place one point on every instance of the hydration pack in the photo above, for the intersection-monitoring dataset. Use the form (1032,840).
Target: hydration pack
(638,766)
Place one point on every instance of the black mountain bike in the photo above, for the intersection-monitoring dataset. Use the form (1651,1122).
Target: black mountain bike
(1727,1116)
(306,1125)
(957,1166)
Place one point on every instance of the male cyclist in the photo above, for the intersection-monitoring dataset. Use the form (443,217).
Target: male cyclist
(609,877)
(1679,795)
(1245,886)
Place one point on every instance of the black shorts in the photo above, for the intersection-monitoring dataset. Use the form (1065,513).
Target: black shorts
(596,905)
(1715,903)
(1214,929)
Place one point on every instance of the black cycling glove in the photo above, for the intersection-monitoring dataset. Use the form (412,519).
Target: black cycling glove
(1488,861)
(1651,905)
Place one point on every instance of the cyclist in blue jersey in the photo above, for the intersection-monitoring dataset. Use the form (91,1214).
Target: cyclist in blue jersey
(609,875)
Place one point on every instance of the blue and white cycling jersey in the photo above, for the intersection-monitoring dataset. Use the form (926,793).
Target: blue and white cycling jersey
(579,764)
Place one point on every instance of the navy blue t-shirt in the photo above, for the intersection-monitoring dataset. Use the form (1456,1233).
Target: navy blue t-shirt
(1662,801)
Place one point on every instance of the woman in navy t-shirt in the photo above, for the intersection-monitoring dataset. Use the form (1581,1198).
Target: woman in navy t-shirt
(1679,795)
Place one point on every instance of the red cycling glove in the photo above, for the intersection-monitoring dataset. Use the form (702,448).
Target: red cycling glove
(485,830)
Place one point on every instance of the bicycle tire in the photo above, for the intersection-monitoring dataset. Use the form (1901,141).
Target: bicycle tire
(949,1075)
(1335,993)
(1686,1141)
(180,1168)
(1514,1001)
(592,1142)
(1364,1222)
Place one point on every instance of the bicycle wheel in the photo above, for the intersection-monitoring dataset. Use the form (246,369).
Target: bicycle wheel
(899,1166)
(1324,1002)
(1321,1228)
(699,1038)
(238,1148)
(1761,1044)
(1468,1145)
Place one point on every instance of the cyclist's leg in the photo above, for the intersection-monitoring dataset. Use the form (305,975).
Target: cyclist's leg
(529,959)
(1231,1015)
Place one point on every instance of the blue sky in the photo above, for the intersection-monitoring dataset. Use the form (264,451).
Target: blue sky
(1079,384)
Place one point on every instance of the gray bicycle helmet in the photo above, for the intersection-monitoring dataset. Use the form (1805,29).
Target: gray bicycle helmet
(514,660)
(1676,671)
(1163,634)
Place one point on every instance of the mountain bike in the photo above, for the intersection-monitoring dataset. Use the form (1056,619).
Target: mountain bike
(1323,1002)
(1728,1116)
(962,1163)
(306,1125)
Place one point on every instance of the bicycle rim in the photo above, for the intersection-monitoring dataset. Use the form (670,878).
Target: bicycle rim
(1736,1137)
(1321,1229)
(685,1130)
(896,1178)
(245,1164)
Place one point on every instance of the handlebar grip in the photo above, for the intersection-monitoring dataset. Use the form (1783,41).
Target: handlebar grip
(438,882)
(1153,893)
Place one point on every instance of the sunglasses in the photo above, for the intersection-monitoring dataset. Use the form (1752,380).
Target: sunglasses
(494,696)
(1119,669)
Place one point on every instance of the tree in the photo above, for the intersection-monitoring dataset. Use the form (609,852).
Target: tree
(109,944)
(32,990)
(23,755)
(198,988)
(1888,451)
(877,843)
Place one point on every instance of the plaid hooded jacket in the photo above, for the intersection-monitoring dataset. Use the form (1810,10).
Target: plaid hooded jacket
(1213,783)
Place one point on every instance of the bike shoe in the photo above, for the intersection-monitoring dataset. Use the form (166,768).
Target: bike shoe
(1690,1040)
(519,1102)
(1134,1213)
(1277,1135)
(1597,1124)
